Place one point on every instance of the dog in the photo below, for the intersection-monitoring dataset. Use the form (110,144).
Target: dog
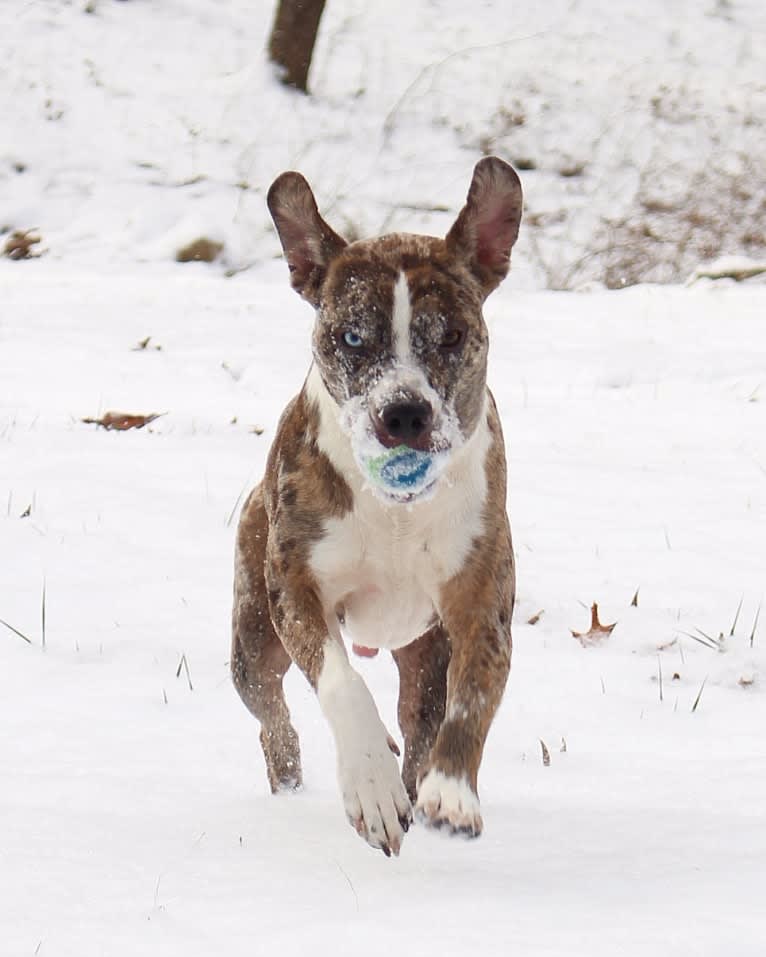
(381,520)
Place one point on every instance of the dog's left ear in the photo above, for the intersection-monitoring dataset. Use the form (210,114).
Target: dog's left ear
(308,242)
(488,224)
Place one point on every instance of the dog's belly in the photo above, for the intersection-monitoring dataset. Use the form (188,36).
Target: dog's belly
(390,616)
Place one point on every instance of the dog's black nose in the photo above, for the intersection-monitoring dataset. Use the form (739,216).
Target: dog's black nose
(406,423)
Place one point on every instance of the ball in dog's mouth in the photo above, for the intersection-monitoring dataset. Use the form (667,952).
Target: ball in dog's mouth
(402,473)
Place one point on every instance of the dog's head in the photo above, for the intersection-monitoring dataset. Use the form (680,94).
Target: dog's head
(400,341)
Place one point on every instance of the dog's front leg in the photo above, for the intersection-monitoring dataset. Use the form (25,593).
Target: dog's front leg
(477,618)
(374,796)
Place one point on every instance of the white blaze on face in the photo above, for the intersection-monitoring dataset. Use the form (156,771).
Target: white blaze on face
(402,319)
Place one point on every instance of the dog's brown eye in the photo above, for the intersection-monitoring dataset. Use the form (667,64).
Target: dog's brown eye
(452,338)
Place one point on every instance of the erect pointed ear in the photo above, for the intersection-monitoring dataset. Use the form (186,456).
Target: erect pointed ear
(488,224)
(308,242)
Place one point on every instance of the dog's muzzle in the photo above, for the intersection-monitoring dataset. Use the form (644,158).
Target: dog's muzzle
(402,439)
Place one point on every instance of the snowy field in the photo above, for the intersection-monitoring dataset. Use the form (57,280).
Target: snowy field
(135,812)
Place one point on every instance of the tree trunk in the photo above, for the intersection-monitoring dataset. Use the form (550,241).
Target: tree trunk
(292,39)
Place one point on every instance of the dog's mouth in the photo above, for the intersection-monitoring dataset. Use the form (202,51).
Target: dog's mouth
(405,473)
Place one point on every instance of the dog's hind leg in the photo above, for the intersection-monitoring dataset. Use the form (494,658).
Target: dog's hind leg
(258,660)
(422,694)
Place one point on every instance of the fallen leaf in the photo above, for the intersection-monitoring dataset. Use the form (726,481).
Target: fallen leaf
(634,602)
(200,250)
(19,244)
(535,618)
(597,632)
(122,421)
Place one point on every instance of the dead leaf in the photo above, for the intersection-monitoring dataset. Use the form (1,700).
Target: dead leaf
(546,754)
(19,244)
(596,633)
(535,618)
(122,421)
(634,602)
(200,250)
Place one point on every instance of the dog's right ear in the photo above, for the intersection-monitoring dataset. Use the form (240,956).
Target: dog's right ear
(488,224)
(308,242)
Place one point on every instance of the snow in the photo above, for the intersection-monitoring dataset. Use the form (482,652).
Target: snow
(135,810)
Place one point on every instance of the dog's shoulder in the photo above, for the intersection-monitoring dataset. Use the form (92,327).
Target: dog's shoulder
(300,479)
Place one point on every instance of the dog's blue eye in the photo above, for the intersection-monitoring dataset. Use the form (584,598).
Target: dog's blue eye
(352,339)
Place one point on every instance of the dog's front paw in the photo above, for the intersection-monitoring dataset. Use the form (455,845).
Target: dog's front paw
(375,799)
(449,802)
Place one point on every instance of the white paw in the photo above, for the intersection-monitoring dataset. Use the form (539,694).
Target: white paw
(373,794)
(445,801)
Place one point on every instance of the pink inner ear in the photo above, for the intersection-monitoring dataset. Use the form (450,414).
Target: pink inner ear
(297,246)
(494,237)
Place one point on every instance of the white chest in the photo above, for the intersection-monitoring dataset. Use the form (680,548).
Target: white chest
(380,568)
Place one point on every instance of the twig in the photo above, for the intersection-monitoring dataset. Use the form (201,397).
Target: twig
(388,123)
(727,272)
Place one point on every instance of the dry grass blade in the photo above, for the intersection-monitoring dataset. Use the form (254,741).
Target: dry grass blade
(143,344)
(122,421)
(736,617)
(184,664)
(659,675)
(755,624)
(699,694)
(42,615)
(16,631)
(705,640)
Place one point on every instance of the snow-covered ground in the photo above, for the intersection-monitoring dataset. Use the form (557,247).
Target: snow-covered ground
(636,425)
(134,810)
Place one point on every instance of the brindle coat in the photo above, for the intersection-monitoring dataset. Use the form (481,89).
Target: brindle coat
(453,675)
